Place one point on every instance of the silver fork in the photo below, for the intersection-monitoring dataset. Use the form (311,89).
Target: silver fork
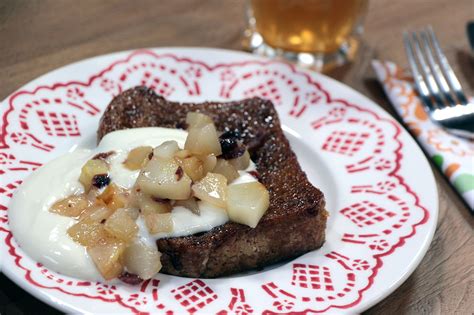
(437,85)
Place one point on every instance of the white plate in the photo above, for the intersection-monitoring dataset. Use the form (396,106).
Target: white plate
(380,190)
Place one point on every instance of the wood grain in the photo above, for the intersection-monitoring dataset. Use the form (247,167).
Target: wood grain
(39,36)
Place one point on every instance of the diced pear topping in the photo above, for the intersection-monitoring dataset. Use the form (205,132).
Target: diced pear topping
(114,197)
(190,204)
(165,179)
(166,150)
(147,204)
(246,203)
(158,222)
(121,225)
(142,260)
(197,120)
(90,231)
(182,154)
(132,212)
(203,140)
(106,258)
(242,162)
(224,167)
(137,158)
(71,206)
(212,188)
(193,167)
(168,177)
(91,169)
(208,162)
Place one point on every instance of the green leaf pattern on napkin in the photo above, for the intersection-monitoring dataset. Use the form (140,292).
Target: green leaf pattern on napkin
(438,160)
(464,182)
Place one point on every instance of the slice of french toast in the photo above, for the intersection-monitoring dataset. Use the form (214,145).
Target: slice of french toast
(295,221)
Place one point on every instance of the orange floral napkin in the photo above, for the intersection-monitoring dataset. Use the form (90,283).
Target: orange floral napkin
(454,156)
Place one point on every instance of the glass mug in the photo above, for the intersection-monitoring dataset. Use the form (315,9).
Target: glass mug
(314,33)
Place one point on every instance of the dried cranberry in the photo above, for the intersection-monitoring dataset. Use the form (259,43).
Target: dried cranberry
(130,278)
(179,173)
(160,200)
(228,144)
(231,145)
(181,125)
(255,174)
(100,180)
(103,156)
(235,154)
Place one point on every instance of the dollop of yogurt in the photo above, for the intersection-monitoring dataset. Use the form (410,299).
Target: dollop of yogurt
(43,234)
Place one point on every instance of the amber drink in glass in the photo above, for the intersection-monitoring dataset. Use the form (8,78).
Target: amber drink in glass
(316,33)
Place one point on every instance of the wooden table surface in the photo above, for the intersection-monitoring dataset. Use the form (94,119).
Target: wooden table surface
(39,36)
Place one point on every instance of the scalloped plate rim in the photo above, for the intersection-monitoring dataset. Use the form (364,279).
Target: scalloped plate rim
(44,296)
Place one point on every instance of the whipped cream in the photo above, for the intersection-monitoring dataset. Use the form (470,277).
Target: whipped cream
(43,235)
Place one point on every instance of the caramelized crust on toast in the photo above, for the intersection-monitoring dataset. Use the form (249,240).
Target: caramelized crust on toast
(293,224)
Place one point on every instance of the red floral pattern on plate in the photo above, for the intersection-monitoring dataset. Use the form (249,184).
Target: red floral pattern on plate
(381,209)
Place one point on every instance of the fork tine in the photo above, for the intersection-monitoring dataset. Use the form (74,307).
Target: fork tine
(438,75)
(426,72)
(450,76)
(418,78)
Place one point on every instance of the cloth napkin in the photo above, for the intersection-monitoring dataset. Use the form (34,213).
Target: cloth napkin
(454,156)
